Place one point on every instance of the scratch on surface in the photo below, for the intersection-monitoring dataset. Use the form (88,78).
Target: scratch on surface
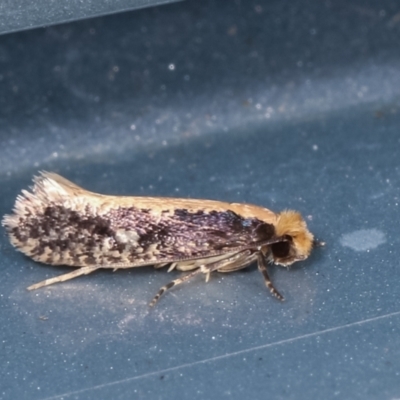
(221,357)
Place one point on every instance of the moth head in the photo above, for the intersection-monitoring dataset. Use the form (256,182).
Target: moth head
(299,243)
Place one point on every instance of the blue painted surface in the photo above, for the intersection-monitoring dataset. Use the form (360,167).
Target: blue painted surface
(278,104)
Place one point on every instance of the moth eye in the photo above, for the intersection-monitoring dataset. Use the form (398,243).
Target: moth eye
(265,231)
(281,249)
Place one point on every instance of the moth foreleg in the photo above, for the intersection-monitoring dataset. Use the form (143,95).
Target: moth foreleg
(262,267)
(63,278)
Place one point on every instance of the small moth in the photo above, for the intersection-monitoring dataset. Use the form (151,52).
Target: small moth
(60,223)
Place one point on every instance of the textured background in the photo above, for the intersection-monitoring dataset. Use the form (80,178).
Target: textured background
(282,104)
(18,15)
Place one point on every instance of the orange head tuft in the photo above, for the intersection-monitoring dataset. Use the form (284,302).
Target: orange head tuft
(290,224)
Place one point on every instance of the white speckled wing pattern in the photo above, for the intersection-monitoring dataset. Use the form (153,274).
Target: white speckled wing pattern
(62,224)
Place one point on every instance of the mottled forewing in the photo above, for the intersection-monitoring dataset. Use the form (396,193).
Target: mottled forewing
(129,236)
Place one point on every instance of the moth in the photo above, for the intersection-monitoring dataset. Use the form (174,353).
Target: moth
(60,223)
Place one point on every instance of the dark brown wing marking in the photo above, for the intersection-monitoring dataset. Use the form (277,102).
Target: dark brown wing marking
(132,236)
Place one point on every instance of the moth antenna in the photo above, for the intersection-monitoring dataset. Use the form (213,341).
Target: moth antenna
(262,267)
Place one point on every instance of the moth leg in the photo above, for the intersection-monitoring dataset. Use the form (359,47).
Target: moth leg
(172,284)
(156,266)
(63,278)
(172,267)
(204,268)
(262,267)
(244,261)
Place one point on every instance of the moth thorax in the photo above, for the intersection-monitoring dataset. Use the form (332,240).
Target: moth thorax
(298,240)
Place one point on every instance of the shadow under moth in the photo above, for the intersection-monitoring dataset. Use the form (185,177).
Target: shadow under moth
(60,223)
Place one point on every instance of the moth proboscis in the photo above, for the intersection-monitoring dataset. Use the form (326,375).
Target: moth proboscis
(60,223)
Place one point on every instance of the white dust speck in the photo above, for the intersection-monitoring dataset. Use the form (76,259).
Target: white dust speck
(363,239)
